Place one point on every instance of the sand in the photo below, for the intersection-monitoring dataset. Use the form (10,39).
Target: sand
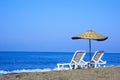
(109,73)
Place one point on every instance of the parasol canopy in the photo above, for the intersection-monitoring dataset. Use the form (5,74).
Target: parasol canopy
(90,35)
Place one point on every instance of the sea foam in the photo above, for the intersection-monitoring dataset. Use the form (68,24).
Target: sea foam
(27,70)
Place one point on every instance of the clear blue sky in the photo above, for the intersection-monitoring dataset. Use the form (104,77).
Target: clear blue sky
(48,25)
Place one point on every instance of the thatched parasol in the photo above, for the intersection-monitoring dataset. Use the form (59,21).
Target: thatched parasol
(90,35)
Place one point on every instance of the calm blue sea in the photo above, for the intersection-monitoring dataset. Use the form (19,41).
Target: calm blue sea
(11,62)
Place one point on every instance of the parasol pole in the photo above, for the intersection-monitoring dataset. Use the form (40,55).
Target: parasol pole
(90,49)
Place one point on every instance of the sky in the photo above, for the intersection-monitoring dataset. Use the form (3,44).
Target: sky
(48,25)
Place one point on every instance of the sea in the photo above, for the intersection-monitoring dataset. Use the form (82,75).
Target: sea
(17,62)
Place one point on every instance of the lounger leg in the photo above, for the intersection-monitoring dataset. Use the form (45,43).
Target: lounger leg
(98,65)
(75,66)
(95,65)
(104,66)
(58,66)
(70,66)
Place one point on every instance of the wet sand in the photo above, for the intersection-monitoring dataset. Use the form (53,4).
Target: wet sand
(109,73)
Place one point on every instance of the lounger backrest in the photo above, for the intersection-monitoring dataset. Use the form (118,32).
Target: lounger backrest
(78,56)
(97,56)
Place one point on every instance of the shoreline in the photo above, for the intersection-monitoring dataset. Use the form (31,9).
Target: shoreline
(3,72)
(109,73)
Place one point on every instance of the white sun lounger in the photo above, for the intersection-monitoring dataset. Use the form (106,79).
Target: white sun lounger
(76,61)
(96,60)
